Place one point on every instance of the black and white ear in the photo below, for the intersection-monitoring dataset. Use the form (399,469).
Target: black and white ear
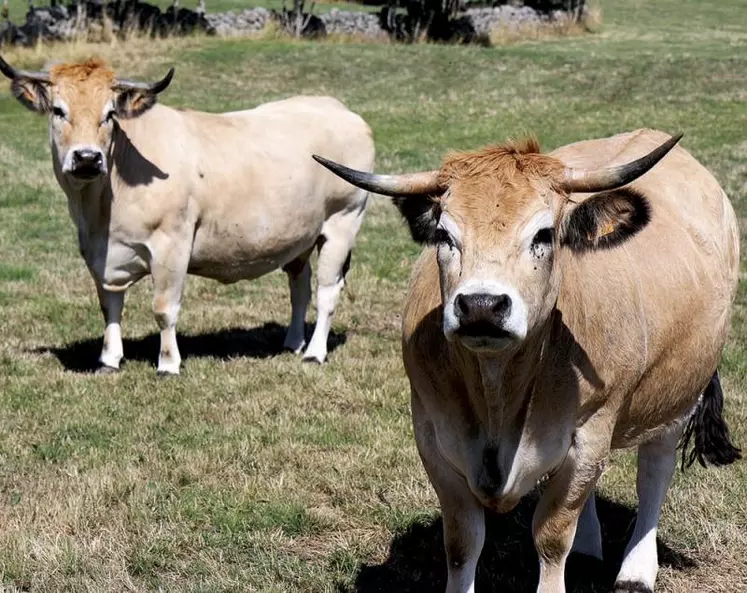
(32,94)
(605,220)
(135,98)
(134,102)
(421,214)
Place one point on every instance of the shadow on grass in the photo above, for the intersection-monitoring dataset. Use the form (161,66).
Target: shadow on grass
(508,564)
(258,342)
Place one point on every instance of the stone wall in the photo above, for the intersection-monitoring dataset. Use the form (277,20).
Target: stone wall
(59,24)
(241,22)
(368,24)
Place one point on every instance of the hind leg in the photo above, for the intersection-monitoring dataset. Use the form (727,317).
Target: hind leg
(299,281)
(588,538)
(334,260)
(656,462)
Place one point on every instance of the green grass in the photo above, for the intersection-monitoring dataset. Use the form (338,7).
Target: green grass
(254,472)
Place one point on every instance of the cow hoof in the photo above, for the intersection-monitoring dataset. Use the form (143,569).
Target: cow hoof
(105,369)
(295,348)
(632,587)
(312,359)
(161,373)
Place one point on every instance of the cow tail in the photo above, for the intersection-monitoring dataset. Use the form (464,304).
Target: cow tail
(712,444)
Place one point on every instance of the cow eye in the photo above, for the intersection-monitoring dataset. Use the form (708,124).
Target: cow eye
(543,236)
(58,112)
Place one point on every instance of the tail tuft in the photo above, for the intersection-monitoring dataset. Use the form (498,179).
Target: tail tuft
(712,441)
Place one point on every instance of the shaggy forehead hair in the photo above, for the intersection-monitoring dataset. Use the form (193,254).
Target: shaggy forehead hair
(492,185)
(95,70)
(507,163)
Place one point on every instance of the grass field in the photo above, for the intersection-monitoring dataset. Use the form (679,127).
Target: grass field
(254,472)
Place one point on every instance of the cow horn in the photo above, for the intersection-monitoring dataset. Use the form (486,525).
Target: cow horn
(151,87)
(582,180)
(13,74)
(413,184)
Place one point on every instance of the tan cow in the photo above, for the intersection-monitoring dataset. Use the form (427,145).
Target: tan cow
(227,196)
(545,326)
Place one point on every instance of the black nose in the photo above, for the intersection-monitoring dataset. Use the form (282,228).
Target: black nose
(85,158)
(482,308)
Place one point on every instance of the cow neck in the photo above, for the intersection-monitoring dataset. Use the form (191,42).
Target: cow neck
(90,205)
(508,381)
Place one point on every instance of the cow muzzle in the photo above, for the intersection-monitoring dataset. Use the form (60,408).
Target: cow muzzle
(85,163)
(482,314)
(486,316)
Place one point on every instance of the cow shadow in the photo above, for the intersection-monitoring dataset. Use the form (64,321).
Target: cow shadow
(132,167)
(508,563)
(259,342)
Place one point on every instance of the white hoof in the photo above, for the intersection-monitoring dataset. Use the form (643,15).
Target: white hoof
(317,358)
(105,369)
(167,369)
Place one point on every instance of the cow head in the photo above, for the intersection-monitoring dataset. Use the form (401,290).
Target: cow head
(498,218)
(83,102)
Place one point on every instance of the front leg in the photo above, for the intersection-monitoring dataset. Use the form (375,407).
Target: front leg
(556,518)
(463,514)
(112,351)
(169,274)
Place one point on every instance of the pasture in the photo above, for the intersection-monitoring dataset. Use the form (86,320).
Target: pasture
(252,471)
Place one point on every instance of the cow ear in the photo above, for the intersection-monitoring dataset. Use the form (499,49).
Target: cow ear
(134,102)
(605,220)
(422,214)
(32,94)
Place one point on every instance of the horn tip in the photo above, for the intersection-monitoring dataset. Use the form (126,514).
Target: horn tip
(331,165)
(7,69)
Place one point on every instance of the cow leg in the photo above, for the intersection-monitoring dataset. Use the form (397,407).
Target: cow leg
(299,280)
(558,511)
(463,514)
(112,351)
(334,260)
(656,463)
(588,540)
(168,282)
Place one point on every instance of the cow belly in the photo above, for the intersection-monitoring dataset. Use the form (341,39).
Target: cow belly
(228,261)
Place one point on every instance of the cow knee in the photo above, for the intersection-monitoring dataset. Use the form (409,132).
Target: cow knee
(164,312)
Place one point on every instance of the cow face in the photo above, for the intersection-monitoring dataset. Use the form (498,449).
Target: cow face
(498,231)
(84,102)
(496,243)
(498,219)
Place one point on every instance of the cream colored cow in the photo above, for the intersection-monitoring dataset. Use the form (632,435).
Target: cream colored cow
(546,326)
(231,196)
